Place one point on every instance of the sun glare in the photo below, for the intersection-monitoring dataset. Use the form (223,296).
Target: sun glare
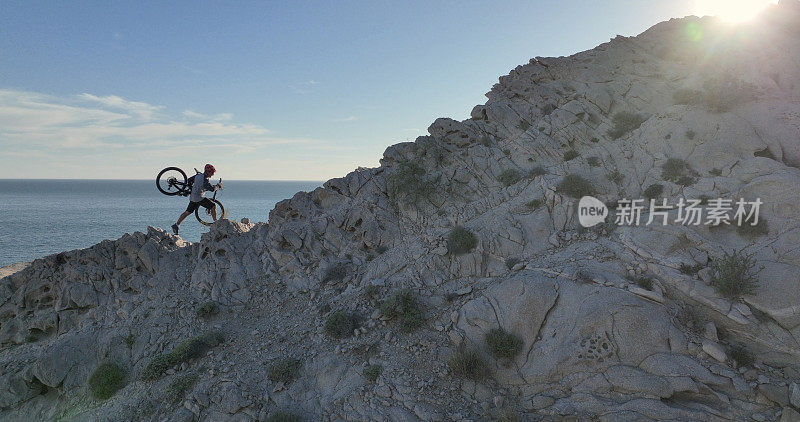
(732,11)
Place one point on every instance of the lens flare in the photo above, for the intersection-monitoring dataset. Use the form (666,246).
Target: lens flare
(731,11)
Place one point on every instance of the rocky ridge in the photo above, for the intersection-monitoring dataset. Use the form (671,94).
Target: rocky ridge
(611,323)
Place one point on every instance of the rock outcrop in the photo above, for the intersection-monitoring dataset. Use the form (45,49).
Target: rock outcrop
(477,223)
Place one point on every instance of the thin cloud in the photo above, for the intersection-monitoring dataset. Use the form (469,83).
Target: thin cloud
(38,122)
(304,88)
(346,119)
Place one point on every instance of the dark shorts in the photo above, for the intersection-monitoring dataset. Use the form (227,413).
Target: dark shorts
(205,202)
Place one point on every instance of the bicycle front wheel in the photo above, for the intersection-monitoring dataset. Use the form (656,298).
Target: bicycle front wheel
(171,181)
(204,216)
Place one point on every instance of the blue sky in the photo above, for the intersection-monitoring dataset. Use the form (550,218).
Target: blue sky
(294,90)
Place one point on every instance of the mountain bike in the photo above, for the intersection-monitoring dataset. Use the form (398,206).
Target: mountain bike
(172,181)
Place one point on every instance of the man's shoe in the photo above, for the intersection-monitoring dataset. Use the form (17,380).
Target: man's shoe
(175,228)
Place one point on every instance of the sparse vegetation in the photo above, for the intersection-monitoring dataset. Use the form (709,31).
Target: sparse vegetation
(524,125)
(178,387)
(678,171)
(733,275)
(593,161)
(503,344)
(409,182)
(372,291)
(335,273)
(403,307)
(722,94)
(571,155)
(468,363)
(340,324)
(130,339)
(106,380)
(372,372)
(625,122)
(284,370)
(766,153)
(752,231)
(715,172)
(690,134)
(207,309)
(461,241)
(654,191)
(741,355)
(509,177)
(186,351)
(575,186)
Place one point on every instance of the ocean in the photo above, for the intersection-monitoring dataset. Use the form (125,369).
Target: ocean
(43,217)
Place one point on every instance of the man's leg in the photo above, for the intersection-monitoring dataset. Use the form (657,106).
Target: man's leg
(214,212)
(182,217)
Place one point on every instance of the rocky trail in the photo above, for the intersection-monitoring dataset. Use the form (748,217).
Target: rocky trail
(454,282)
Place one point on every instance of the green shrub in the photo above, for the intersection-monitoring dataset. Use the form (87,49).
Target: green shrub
(715,172)
(207,309)
(534,203)
(340,324)
(690,269)
(372,372)
(722,94)
(506,151)
(625,122)
(282,416)
(653,191)
(178,387)
(511,262)
(679,172)
(409,182)
(536,172)
(403,307)
(733,275)
(575,186)
(468,363)
(186,351)
(644,282)
(741,355)
(524,126)
(372,291)
(593,161)
(687,96)
(509,176)
(503,344)
(571,155)
(616,177)
(461,241)
(751,231)
(284,370)
(106,380)
(335,273)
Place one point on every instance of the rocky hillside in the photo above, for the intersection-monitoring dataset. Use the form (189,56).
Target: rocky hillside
(454,282)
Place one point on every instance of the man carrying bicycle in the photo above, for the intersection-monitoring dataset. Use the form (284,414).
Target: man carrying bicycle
(200,185)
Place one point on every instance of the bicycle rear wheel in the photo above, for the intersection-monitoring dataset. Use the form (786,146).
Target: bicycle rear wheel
(204,216)
(171,181)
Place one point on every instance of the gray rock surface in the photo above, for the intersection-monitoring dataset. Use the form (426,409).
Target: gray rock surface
(613,323)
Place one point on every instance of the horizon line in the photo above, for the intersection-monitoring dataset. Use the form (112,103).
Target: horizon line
(150,180)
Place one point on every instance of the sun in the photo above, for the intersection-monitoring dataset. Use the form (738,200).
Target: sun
(732,11)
